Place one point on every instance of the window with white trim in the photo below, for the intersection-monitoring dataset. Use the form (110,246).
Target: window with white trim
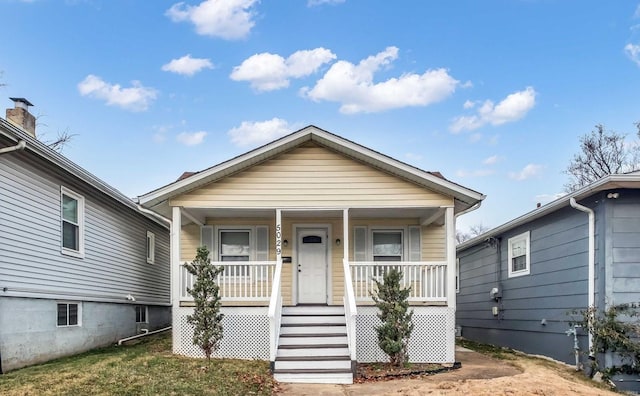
(69,314)
(72,222)
(235,245)
(242,243)
(519,254)
(151,247)
(141,313)
(387,245)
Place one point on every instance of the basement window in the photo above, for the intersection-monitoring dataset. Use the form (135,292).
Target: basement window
(141,314)
(69,314)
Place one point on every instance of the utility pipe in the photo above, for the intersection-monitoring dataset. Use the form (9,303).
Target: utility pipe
(592,263)
(20,146)
(142,335)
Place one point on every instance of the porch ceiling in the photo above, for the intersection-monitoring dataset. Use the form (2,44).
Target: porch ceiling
(426,215)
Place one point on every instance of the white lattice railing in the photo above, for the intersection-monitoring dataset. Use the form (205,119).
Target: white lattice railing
(427,279)
(239,281)
(350,310)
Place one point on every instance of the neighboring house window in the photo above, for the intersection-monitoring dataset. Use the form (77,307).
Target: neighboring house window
(151,247)
(141,314)
(72,214)
(519,255)
(69,314)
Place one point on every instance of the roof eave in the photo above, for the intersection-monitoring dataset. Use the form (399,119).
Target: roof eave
(335,142)
(605,183)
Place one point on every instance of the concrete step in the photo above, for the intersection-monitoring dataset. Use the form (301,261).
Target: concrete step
(311,310)
(312,319)
(327,376)
(313,363)
(313,329)
(312,339)
(316,350)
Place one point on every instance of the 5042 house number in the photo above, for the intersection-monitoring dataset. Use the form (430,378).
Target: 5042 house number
(278,239)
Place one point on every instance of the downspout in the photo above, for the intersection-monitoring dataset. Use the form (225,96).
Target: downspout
(20,146)
(592,257)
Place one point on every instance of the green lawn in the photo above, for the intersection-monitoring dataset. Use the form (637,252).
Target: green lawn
(147,368)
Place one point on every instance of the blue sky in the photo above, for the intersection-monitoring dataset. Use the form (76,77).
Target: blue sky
(493,94)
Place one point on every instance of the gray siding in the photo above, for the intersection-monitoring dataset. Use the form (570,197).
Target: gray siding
(556,285)
(114,264)
(623,266)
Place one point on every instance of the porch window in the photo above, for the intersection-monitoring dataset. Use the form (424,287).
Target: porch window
(234,245)
(387,245)
(72,219)
(519,257)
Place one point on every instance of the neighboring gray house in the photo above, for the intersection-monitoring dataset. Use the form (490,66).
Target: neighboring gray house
(80,265)
(519,281)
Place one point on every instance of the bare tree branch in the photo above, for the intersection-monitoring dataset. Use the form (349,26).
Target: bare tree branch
(602,153)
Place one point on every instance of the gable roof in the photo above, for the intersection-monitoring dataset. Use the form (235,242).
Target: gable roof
(628,180)
(464,197)
(41,150)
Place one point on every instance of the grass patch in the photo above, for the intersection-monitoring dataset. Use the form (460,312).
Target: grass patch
(487,349)
(147,368)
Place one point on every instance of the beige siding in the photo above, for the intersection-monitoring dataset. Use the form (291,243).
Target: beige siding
(433,246)
(434,243)
(311,176)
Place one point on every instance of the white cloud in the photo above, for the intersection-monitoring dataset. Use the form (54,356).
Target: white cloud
(491,160)
(475,173)
(135,98)
(227,19)
(251,133)
(633,52)
(546,198)
(637,13)
(353,86)
(191,138)
(313,3)
(529,171)
(510,109)
(468,104)
(187,65)
(268,72)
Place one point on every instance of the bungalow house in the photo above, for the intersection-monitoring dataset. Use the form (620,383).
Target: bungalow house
(80,265)
(519,282)
(302,226)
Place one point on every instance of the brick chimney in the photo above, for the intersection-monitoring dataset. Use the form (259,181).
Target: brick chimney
(21,117)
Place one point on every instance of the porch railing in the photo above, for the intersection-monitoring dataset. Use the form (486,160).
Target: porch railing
(240,280)
(350,309)
(275,314)
(428,280)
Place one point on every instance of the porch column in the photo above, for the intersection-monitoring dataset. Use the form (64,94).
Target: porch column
(345,234)
(278,237)
(450,226)
(176,227)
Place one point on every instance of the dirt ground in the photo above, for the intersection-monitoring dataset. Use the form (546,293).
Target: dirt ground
(479,375)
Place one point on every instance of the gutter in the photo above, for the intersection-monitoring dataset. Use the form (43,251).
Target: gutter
(18,147)
(592,256)
(154,214)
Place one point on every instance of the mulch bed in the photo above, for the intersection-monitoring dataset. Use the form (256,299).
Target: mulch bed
(373,372)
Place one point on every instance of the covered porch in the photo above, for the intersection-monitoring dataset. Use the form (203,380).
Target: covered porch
(285,257)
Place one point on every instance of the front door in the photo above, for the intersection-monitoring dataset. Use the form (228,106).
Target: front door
(312,265)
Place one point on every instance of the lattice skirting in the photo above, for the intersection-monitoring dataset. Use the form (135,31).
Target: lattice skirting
(432,339)
(245,333)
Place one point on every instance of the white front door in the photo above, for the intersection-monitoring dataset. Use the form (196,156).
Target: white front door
(312,265)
